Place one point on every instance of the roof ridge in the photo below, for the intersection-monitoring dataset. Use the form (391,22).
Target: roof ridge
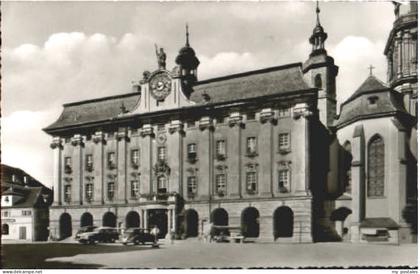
(247,73)
(101,99)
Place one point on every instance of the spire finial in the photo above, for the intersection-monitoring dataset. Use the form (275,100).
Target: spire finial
(317,13)
(371,70)
(187,34)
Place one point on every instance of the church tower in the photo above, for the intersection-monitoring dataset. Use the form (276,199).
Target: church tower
(187,65)
(320,72)
(401,53)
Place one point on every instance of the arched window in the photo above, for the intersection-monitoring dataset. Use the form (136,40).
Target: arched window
(5,229)
(347,166)
(376,167)
(318,81)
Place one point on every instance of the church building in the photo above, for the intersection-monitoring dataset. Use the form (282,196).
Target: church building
(262,150)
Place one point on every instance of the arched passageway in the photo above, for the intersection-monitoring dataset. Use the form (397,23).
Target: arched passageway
(86,219)
(132,219)
(283,222)
(191,223)
(65,226)
(109,219)
(250,224)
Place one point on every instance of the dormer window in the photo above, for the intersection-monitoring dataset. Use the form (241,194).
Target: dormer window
(372,101)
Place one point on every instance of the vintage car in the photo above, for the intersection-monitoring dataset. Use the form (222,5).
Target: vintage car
(82,230)
(100,235)
(137,236)
(225,234)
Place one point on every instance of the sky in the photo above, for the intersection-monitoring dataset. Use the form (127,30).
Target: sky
(59,52)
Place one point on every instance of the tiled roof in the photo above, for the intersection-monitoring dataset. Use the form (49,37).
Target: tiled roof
(30,193)
(379,223)
(359,105)
(270,81)
(95,110)
(370,84)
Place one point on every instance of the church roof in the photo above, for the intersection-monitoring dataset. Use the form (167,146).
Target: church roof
(370,84)
(371,100)
(95,110)
(264,82)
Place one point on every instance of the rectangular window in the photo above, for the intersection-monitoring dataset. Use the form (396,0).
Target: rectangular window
(134,189)
(160,127)
(250,116)
(67,193)
(111,191)
(26,213)
(284,112)
(161,153)
(89,162)
(283,185)
(251,182)
(192,185)
(251,145)
(135,157)
(220,120)
(89,191)
(67,165)
(111,160)
(284,142)
(161,184)
(6,214)
(190,124)
(192,151)
(221,183)
(221,148)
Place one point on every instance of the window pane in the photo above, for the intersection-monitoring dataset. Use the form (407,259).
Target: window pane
(376,164)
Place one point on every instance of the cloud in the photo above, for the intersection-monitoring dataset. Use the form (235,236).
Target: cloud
(224,63)
(24,145)
(353,55)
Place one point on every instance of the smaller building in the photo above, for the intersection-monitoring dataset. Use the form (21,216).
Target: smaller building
(24,206)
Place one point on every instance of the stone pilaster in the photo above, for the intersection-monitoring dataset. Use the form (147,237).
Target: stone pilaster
(266,186)
(57,170)
(233,176)
(175,161)
(98,168)
(205,157)
(146,158)
(358,182)
(300,146)
(77,160)
(122,189)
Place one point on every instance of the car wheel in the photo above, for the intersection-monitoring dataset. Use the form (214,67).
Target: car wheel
(136,242)
(112,240)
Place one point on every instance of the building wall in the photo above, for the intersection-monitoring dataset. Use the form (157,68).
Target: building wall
(395,171)
(16,222)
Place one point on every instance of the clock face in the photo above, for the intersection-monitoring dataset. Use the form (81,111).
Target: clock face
(160,86)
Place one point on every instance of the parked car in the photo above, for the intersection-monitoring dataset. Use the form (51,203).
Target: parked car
(100,235)
(137,236)
(84,229)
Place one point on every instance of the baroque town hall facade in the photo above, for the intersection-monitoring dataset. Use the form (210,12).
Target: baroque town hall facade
(262,150)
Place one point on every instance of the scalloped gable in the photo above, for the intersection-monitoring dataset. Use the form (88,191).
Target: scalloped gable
(269,81)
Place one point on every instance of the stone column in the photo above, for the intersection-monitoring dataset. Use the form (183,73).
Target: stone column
(300,178)
(122,140)
(98,166)
(77,185)
(57,166)
(358,181)
(233,176)
(205,157)
(266,148)
(397,193)
(146,158)
(175,156)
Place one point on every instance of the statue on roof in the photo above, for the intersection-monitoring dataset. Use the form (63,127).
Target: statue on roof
(161,57)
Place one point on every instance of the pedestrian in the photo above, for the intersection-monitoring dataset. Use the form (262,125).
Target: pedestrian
(155,231)
(172,236)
